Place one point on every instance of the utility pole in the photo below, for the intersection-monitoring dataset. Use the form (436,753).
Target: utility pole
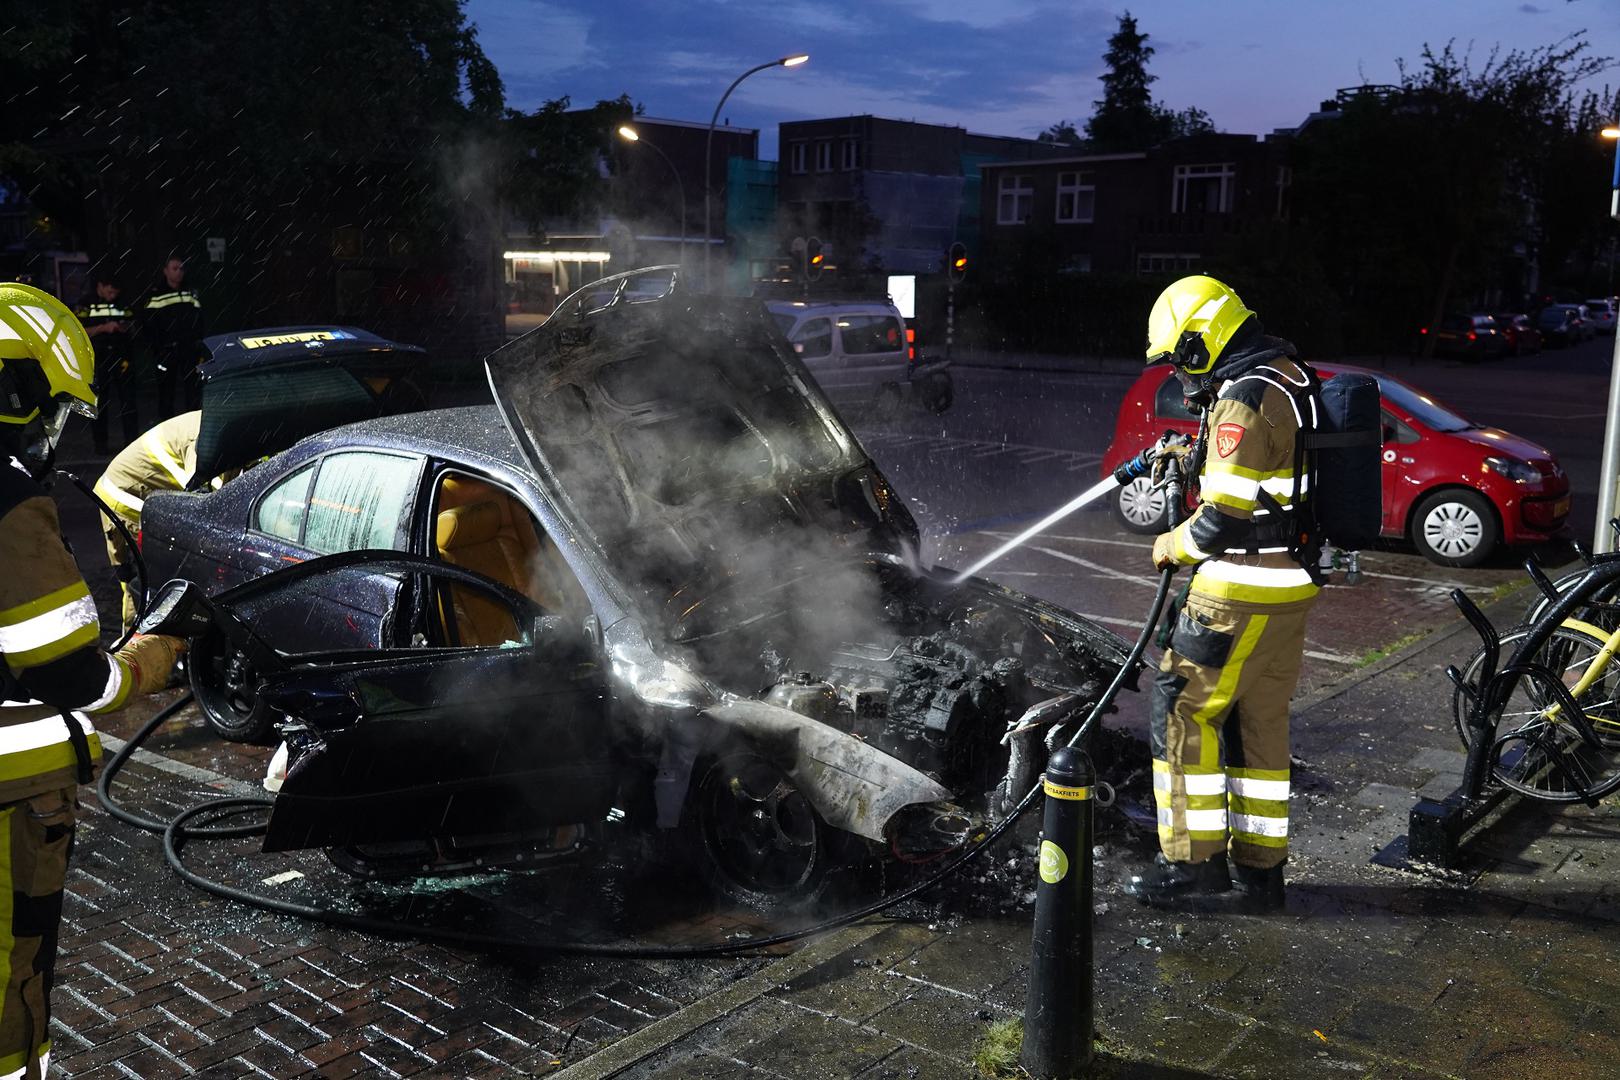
(1602,536)
(956,261)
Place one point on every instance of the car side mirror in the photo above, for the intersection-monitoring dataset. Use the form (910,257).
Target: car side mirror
(179,609)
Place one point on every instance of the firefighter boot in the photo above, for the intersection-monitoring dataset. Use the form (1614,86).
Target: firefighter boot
(1166,882)
(1258,890)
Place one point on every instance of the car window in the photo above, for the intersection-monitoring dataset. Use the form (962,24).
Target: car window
(814,338)
(1425,409)
(281,510)
(1455,322)
(871,334)
(1484,322)
(1171,401)
(783,322)
(361,500)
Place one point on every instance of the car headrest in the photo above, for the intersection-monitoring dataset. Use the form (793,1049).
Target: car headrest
(465,526)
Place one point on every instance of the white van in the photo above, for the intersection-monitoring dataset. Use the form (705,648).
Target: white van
(862,351)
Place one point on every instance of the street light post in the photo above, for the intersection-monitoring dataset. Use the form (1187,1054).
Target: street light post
(630,134)
(708,152)
(1602,536)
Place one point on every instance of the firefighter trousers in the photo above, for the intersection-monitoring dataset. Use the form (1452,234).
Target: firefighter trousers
(36,838)
(1218,716)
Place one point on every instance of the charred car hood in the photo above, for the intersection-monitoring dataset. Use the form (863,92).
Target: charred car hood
(683,443)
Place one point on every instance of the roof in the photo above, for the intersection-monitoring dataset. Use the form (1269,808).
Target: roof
(1081,159)
(471,430)
(246,349)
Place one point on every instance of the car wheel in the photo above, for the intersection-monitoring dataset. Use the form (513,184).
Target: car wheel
(756,839)
(226,688)
(1455,528)
(1140,508)
(937,392)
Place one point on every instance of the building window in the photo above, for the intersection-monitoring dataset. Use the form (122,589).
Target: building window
(1203,189)
(824,156)
(1016,198)
(1153,262)
(1078,263)
(1076,197)
(852,154)
(796,154)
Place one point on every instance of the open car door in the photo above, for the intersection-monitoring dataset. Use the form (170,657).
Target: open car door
(437,742)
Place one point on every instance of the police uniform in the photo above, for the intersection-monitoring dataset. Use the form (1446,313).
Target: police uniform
(117,376)
(1234,656)
(171,322)
(163,459)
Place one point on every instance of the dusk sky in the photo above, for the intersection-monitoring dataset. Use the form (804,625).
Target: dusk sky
(1007,67)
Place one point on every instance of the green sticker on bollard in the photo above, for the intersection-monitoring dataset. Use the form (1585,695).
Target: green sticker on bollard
(1054,864)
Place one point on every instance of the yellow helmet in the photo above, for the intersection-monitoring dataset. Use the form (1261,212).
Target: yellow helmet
(1192,322)
(46,363)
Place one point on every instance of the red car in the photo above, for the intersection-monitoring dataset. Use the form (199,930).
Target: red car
(1455,489)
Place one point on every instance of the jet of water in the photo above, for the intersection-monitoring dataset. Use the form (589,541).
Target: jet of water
(1090,495)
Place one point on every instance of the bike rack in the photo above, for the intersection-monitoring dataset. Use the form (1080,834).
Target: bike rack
(1437,829)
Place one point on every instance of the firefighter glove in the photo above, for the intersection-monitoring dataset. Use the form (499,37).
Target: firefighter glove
(152,658)
(1164,551)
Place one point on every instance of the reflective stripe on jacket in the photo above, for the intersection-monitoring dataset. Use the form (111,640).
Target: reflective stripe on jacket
(1252,429)
(50,641)
(163,459)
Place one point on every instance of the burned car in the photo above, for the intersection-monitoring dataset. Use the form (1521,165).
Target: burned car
(658,583)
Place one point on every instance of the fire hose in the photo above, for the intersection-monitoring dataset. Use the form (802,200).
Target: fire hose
(176,831)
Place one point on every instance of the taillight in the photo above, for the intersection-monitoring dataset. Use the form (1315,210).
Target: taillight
(1423,330)
(1472,336)
(911,335)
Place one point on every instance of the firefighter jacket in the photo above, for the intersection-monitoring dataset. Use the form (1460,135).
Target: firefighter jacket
(171,319)
(111,346)
(1243,552)
(55,669)
(163,459)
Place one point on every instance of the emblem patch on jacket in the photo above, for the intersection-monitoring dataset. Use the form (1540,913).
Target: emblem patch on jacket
(1227,437)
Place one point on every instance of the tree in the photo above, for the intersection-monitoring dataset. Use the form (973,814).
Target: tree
(1125,118)
(1446,185)
(1063,132)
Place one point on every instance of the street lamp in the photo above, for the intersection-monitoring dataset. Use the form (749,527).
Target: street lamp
(708,149)
(630,134)
(1603,537)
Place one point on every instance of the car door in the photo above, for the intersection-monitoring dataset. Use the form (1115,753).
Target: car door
(813,341)
(1398,458)
(871,347)
(345,500)
(450,743)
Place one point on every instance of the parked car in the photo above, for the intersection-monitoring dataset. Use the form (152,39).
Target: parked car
(1603,313)
(1585,326)
(863,352)
(683,597)
(1455,489)
(1519,332)
(1472,337)
(1559,324)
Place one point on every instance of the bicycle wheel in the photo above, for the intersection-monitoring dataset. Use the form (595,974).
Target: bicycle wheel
(1539,752)
(1601,608)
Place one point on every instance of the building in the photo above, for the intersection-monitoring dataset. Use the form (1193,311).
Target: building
(886,196)
(649,211)
(1169,209)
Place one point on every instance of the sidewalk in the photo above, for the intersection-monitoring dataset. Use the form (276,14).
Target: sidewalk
(1509,970)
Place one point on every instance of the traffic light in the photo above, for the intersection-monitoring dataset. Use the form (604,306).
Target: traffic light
(956,262)
(814,258)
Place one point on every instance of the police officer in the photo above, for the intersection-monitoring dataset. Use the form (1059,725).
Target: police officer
(1219,705)
(54,671)
(171,323)
(163,459)
(107,321)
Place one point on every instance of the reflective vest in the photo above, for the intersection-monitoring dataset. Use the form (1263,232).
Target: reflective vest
(163,459)
(50,640)
(1249,450)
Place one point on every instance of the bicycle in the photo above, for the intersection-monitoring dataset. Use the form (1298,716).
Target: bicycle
(1547,725)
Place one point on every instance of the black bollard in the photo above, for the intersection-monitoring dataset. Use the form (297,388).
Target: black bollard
(1057,1013)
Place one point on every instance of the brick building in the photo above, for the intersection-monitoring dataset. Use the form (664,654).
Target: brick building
(1164,210)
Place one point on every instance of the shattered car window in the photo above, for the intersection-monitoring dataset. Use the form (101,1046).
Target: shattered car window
(361,500)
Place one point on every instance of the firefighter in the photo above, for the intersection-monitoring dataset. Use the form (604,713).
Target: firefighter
(107,322)
(171,323)
(1219,705)
(55,669)
(163,459)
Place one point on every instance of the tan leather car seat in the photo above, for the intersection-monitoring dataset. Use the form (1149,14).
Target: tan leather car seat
(483,528)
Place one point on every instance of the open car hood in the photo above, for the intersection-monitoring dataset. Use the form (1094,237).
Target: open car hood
(684,443)
(263,390)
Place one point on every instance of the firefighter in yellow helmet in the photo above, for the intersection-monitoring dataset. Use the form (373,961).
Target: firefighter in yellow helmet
(1219,705)
(54,671)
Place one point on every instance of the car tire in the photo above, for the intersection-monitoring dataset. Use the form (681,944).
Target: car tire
(224,685)
(937,392)
(1455,527)
(756,841)
(1141,509)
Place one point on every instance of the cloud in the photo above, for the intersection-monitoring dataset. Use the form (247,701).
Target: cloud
(1531,9)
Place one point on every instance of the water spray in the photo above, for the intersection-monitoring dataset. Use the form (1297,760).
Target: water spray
(1138,466)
